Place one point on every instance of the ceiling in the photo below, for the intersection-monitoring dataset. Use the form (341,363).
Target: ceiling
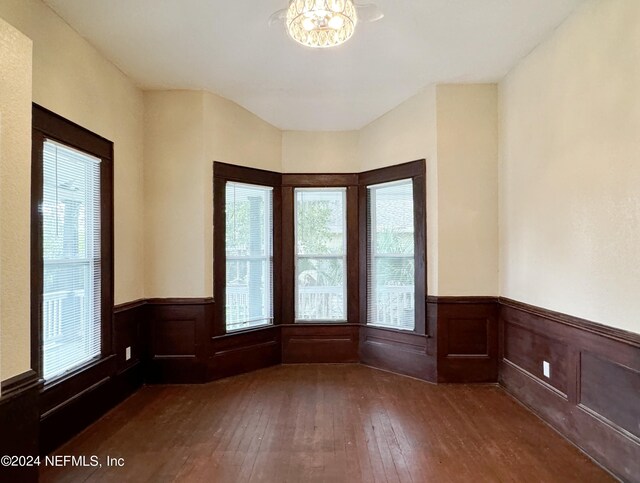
(228,48)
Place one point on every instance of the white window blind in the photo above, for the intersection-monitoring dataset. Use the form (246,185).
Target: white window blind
(321,249)
(390,257)
(71,309)
(249,255)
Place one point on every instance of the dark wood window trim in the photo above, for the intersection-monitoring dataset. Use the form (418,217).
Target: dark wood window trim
(48,125)
(223,173)
(284,253)
(416,171)
(289,183)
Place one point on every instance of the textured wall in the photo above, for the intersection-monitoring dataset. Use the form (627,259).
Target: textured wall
(569,171)
(320,152)
(71,78)
(467,189)
(186,131)
(15,198)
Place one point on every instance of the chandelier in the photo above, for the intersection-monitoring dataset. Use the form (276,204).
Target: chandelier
(321,23)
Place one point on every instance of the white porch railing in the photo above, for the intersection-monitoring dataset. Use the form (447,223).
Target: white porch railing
(321,303)
(393,306)
(53,328)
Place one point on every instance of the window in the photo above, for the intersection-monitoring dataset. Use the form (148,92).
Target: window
(71,306)
(249,255)
(390,257)
(72,246)
(320,263)
(319,248)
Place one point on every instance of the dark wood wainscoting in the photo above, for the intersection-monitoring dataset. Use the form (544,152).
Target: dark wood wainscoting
(178,331)
(321,343)
(398,351)
(245,351)
(19,423)
(184,350)
(592,394)
(467,335)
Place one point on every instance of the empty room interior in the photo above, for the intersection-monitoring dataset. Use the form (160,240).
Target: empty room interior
(319,240)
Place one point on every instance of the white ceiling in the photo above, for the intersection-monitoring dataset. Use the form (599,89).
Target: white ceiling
(228,48)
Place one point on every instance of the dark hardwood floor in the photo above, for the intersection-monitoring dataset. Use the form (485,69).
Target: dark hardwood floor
(333,423)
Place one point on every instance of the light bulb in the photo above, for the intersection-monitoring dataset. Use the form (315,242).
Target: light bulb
(308,24)
(336,22)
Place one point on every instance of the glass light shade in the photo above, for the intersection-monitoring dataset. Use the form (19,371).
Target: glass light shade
(321,23)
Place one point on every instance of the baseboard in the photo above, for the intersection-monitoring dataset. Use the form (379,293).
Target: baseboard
(592,396)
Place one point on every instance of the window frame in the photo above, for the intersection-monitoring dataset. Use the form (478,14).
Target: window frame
(268,257)
(343,256)
(222,174)
(284,241)
(47,125)
(416,171)
(290,182)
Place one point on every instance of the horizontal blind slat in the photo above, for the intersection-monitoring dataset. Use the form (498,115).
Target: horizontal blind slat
(71,311)
(390,255)
(249,255)
(321,249)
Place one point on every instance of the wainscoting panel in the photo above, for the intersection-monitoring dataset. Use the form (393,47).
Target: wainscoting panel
(592,396)
(611,391)
(19,425)
(81,407)
(323,343)
(129,331)
(527,348)
(244,352)
(178,334)
(467,339)
(397,351)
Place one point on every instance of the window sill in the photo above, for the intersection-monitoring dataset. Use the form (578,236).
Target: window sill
(305,323)
(395,329)
(248,330)
(78,375)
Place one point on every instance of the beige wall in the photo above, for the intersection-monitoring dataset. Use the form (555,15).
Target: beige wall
(467,117)
(570,170)
(174,194)
(320,152)
(404,134)
(455,127)
(71,78)
(185,132)
(15,192)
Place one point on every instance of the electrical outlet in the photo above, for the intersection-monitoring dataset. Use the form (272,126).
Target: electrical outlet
(546,369)
(127,354)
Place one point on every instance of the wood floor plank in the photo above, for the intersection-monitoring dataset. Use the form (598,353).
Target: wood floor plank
(324,423)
